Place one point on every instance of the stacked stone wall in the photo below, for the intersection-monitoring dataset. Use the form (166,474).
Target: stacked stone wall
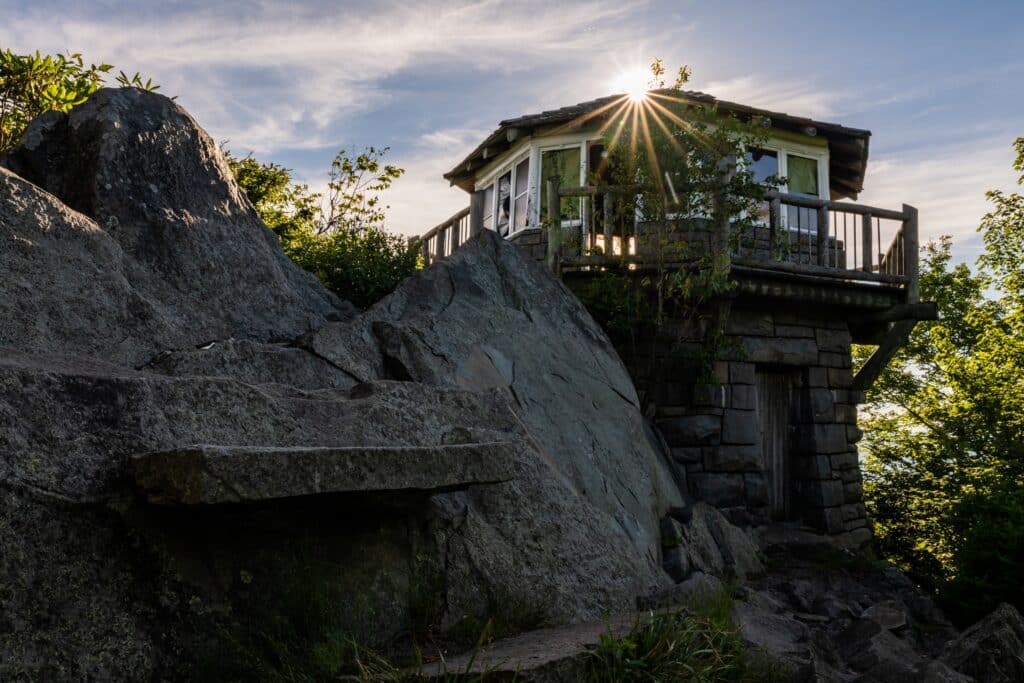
(714,427)
(533,241)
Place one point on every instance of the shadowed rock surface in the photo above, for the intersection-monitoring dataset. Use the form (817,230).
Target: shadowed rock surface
(144,309)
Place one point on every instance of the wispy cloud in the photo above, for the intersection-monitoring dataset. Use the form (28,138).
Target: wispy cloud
(946,184)
(792,97)
(269,76)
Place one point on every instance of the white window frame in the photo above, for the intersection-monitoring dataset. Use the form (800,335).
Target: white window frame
(782,149)
(556,145)
(491,178)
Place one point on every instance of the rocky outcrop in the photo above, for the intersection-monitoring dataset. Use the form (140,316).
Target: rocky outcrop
(148,218)
(991,650)
(193,430)
(145,310)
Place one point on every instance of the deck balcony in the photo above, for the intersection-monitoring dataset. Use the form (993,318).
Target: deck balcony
(828,251)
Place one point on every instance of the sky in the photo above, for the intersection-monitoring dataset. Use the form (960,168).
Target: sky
(939,84)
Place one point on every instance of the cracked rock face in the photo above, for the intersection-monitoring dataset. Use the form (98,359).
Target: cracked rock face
(144,308)
(149,217)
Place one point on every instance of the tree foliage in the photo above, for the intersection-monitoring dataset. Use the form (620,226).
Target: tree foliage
(944,470)
(697,202)
(339,237)
(34,84)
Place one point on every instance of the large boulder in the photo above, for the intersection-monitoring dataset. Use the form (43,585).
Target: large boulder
(152,246)
(991,650)
(187,422)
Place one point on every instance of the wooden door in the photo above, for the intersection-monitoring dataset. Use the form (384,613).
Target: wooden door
(774,395)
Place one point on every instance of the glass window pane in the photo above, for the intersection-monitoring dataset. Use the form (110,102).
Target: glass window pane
(522,192)
(565,163)
(489,207)
(504,202)
(763,163)
(802,174)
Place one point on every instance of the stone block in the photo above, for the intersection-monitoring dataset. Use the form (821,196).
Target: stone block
(794,331)
(861,536)
(746,322)
(857,523)
(824,439)
(686,455)
(853,511)
(833,340)
(840,378)
(208,475)
(691,430)
(733,458)
(845,461)
(853,433)
(831,359)
(718,489)
(784,351)
(820,405)
(846,414)
(720,372)
(817,377)
(709,395)
(853,492)
(849,396)
(741,373)
(757,489)
(743,397)
(821,494)
(740,427)
(850,476)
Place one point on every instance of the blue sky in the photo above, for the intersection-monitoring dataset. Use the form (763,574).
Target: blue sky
(940,85)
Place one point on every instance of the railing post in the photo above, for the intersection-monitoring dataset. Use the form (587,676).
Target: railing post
(476,212)
(608,227)
(867,256)
(774,223)
(910,252)
(456,229)
(554,225)
(823,235)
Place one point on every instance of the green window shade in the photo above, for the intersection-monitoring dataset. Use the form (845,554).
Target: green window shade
(565,163)
(802,175)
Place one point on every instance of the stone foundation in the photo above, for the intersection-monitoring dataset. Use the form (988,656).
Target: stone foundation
(713,418)
(718,430)
(533,241)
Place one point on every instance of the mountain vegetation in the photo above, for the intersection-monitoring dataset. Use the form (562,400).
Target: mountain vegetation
(944,468)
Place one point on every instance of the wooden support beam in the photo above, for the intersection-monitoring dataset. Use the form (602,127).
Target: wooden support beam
(867,255)
(476,212)
(910,252)
(823,234)
(896,337)
(924,310)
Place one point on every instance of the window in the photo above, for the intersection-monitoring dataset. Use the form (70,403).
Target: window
(763,163)
(564,163)
(522,193)
(504,205)
(802,175)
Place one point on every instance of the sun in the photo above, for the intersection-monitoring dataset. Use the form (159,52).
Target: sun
(633,82)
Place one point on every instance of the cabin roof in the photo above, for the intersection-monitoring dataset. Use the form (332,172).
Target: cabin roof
(848,147)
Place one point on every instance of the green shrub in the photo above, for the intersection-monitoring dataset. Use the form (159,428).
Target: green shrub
(701,644)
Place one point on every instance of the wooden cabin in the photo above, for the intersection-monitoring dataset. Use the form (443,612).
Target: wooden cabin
(770,434)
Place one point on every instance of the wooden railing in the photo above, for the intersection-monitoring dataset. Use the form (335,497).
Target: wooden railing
(444,238)
(798,234)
